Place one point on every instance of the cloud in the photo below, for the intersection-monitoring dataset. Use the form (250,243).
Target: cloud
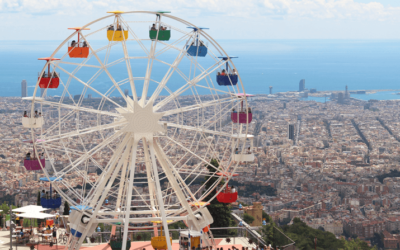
(315,9)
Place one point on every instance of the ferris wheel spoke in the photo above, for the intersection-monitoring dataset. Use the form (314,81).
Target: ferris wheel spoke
(167,76)
(106,70)
(150,179)
(82,132)
(77,108)
(70,167)
(80,64)
(136,38)
(129,69)
(169,46)
(185,87)
(173,178)
(198,129)
(150,62)
(191,152)
(198,106)
(88,86)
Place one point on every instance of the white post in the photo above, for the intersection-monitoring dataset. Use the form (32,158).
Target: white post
(159,195)
(129,194)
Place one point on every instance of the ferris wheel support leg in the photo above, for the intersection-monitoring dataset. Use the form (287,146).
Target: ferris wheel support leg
(171,176)
(159,194)
(100,195)
(151,182)
(129,192)
(113,229)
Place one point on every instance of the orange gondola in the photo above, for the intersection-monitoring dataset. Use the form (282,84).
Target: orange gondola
(78,49)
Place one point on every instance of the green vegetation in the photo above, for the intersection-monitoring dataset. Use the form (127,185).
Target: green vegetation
(6,208)
(8,199)
(217,209)
(393,173)
(66,208)
(248,218)
(251,188)
(304,237)
(176,225)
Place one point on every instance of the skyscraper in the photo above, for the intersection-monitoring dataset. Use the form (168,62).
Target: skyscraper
(24,88)
(270,90)
(291,132)
(302,85)
(126,92)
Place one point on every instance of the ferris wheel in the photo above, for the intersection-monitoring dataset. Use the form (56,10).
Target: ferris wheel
(135,107)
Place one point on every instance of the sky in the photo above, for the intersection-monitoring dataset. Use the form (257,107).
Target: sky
(228,19)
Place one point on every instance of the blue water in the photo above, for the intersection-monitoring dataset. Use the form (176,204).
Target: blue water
(325,64)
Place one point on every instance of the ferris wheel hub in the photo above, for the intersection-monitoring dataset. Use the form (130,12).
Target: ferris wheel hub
(141,121)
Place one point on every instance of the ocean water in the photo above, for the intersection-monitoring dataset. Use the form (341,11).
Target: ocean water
(324,64)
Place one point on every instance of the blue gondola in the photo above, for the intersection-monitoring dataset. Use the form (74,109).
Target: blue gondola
(227,79)
(197,48)
(50,202)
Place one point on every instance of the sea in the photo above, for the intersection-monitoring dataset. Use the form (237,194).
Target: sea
(324,64)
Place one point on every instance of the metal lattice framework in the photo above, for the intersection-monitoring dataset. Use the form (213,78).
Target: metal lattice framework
(150,150)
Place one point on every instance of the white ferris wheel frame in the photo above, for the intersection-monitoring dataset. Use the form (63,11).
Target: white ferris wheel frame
(153,149)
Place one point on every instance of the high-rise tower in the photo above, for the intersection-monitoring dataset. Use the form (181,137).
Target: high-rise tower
(291,131)
(126,92)
(302,85)
(270,90)
(24,88)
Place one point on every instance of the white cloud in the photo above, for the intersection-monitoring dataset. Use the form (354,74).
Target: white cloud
(320,9)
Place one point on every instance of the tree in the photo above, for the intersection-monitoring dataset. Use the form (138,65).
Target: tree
(248,218)
(219,211)
(304,237)
(321,228)
(66,208)
(38,199)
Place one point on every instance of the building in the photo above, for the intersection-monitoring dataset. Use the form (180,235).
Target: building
(24,88)
(291,131)
(302,85)
(256,212)
(270,90)
(313,90)
(126,92)
(341,98)
(89,96)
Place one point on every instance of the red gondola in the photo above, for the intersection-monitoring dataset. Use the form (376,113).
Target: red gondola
(227,196)
(78,49)
(49,80)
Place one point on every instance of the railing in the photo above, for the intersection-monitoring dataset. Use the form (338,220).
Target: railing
(278,237)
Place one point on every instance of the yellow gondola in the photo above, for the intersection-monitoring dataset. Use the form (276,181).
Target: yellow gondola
(160,242)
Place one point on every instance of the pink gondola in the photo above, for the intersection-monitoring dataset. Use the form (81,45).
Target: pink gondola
(32,165)
(241,117)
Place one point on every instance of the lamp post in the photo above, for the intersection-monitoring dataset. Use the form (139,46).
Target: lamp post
(11,227)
